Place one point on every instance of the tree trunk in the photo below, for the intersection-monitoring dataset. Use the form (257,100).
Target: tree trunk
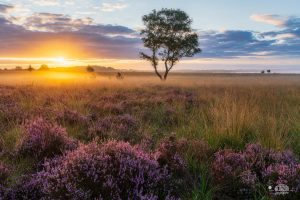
(158,74)
(168,69)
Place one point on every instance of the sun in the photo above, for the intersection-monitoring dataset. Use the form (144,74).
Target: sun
(61,61)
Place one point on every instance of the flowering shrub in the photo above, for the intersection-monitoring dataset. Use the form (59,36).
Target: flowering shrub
(170,116)
(237,170)
(4,173)
(44,139)
(71,117)
(195,149)
(168,154)
(116,108)
(11,110)
(114,170)
(123,127)
(28,187)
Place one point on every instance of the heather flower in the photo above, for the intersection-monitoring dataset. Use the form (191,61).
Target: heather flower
(248,178)
(170,116)
(116,108)
(281,173)
(238,170)
(114,170)
(4,173)
(228,166)
(42,138)
(168,154)
(11,110)
(28,187)
(71,117)
(123,127)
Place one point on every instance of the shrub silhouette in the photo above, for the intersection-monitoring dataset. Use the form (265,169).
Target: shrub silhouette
(119,76)
(30,68)
(90,69)
(44,67)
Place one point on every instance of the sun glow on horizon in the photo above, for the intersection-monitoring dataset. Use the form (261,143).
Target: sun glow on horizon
(61,61)
(51,61)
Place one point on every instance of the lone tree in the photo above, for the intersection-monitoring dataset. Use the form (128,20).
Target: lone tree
(30,68)
(169,37)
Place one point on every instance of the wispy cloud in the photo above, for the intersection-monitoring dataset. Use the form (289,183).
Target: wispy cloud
(49,22)
(110,7)
(46,2)
(6,8)
(275,20)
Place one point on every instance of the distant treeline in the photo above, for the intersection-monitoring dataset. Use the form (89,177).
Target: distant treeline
(45,67)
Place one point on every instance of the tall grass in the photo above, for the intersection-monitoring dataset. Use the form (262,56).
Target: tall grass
(226,111)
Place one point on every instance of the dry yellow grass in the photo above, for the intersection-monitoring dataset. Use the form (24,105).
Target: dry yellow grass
(233,109)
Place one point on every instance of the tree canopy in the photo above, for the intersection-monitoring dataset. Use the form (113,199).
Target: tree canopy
(169,37)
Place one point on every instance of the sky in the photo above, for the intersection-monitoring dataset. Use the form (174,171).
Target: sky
(234,34)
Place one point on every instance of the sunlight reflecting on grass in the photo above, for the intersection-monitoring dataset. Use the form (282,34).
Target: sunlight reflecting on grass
(62,76)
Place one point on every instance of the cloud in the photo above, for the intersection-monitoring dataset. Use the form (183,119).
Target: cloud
(5,8)
(48,22)
(110,7)
(46,2)
(54,22)
(69,2)
(231,43)
(48,35)
(275,20)
(107,29)
(236,43)
(286,40)
(293,22)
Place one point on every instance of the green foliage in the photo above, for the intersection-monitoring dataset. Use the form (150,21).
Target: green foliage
(9,140)
(169,36)
(203,188)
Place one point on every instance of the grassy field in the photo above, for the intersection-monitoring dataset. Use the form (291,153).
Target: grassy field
(205,113)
